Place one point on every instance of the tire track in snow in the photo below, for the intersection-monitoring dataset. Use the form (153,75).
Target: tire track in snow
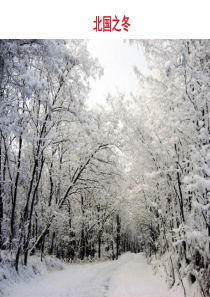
(96,284)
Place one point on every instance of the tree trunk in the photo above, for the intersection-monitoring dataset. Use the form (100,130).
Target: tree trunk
(42,249)
(52,244)
(14,200)
(99,244)
(30,214)
(17,258)
(1,72)
(118,235)
(82,245)
(1,199)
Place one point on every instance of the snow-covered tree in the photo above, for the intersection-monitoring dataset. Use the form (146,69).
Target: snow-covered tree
(165,142)
(46,144)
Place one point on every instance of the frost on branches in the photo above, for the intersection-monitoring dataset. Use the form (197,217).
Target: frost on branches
(168,144)
(56,169)
(83,184)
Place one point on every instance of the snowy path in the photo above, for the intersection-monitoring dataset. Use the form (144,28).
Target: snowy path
(130,276)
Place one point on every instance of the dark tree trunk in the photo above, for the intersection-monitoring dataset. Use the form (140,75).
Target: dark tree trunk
(42,249)
(30,214)
(82,246)
(17,258)
(14,200)
(52,244)
(118,235)
(1,199)
(99,244)
(1,72)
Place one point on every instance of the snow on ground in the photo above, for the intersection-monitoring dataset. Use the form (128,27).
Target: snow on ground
(135,278)
(130,276)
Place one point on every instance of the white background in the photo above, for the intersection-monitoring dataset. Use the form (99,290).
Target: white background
(74,19)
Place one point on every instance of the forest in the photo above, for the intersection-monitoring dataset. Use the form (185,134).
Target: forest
(93,183)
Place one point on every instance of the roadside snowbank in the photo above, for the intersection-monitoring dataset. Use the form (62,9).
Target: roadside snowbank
(178,284)
(35,269)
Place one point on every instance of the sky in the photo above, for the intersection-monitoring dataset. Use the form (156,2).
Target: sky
(117,58)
